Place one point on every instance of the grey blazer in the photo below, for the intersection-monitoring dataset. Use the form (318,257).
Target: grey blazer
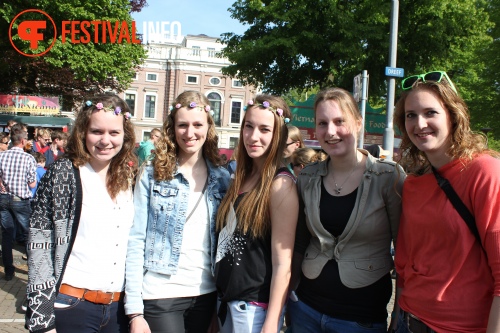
(363,249)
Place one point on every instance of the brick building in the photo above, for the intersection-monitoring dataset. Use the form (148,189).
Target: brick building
(192,64)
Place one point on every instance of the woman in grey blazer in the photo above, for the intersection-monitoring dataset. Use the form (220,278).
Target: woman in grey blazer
(349,213)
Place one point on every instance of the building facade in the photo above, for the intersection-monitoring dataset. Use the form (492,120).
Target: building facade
(193,64)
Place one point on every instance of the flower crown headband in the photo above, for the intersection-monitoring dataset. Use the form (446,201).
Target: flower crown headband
(116,111)
(268,106)
(193,105)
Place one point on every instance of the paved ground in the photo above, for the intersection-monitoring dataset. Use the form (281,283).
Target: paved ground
(12,295)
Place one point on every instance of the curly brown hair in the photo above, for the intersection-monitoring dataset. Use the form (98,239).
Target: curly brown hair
(166,149)
(465,143)
(123,164)
(253,210)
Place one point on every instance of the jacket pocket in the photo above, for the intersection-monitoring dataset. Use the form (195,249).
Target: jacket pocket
(165,196)
(357,273)
(313,263)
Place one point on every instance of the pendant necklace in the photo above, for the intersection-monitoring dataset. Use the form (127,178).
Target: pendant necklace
(339,188)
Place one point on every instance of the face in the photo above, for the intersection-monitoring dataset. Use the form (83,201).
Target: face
(332,130)
(427,123)
(297,168)
(59,143)
(104,138)
(258,132)
(290,147)
(191,128)
(155,136)
(4,144)
(44,140)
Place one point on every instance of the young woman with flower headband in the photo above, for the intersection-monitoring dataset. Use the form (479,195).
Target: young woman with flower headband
(449,277)
(350,205)
(256,224)
(171,257)
(80,225)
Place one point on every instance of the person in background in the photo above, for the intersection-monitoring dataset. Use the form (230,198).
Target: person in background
(18,177)
(256,224)
(223,159)
(350,206)
(56,147)
(40,170)
(449,276)
(43,139)
(80,226)
(147,147)
(171,252)
(231,165)
(4,141)
(293,142)
(301,157)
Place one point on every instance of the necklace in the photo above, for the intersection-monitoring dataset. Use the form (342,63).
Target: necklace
(339,188)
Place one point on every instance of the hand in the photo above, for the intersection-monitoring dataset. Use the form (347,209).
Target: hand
(52,331)
(266,328)
(139,325)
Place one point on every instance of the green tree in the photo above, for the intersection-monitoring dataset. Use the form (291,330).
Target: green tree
(69,70)
(292,44)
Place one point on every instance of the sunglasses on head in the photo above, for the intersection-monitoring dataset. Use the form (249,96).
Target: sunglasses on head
(436,76)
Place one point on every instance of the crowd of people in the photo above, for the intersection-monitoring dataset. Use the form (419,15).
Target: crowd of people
(184,242)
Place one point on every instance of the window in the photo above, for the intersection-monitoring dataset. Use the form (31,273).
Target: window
(134,76)
(211,52)
(196,50)
(233,142)
(192,79)
(149,110)
(215,81)
(152,77)
(130,100)
(235,112)
(215,106)
(146,135)
(237,84)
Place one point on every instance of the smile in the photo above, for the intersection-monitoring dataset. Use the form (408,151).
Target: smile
(333,142)
(423,135)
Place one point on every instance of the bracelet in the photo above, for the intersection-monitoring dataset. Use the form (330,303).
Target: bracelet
(132,318)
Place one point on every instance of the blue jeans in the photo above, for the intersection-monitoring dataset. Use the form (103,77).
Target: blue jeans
(307,320)
(80,316)
(243,317)
(13,209)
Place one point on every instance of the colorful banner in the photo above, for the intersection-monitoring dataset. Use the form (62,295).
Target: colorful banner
(29,105)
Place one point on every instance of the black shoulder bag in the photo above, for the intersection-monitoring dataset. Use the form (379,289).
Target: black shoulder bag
(458,204)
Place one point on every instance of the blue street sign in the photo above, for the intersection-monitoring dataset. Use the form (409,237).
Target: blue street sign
(394,72)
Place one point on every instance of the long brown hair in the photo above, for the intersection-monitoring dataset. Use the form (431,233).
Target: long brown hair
(464,143)
(166,149)
(253,210)
(123,164)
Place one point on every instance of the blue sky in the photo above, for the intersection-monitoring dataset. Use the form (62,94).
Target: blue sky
(209,17)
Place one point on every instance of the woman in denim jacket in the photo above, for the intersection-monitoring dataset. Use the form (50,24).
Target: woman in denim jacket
(350,206)
(171,254)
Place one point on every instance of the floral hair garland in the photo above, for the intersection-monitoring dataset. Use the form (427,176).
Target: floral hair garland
(268,106)
(193,105)
(116,111)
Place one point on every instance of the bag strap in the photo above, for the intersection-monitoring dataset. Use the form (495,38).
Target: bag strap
(458,204)
(199,199)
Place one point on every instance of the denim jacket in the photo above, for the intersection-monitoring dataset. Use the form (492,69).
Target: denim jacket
(156,235)
(363,249)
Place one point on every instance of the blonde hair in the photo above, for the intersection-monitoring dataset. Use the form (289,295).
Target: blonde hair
(295,135)
(253,211)
(119,169)
(464,143)
(166,149)
(305,156)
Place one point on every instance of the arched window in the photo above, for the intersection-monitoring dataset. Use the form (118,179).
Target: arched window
(215,105)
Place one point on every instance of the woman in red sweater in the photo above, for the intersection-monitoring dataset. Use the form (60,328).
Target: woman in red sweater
(449,280)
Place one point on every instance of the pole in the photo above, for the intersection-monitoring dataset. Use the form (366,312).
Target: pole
(388,143)
(364,98)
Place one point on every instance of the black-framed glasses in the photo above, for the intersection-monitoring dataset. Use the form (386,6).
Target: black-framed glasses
(291,143)
(435,76)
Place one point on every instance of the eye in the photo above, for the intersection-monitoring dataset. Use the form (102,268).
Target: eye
(410,115)
(339,122)
(431,112)
(321,123)
(248,126)
(265,129)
